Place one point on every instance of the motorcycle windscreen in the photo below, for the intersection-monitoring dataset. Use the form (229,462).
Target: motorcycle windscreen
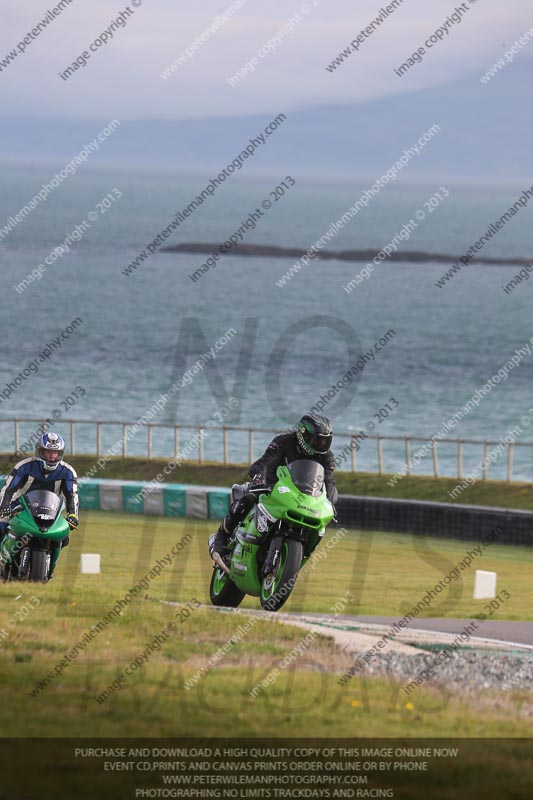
(44,507)
(307,476)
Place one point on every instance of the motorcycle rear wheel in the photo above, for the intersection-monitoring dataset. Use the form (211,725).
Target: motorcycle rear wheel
(277,587)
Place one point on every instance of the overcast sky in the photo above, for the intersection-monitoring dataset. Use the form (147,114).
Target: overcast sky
(122,79)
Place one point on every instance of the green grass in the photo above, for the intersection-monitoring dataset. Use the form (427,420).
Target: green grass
(485,493)
(386,573)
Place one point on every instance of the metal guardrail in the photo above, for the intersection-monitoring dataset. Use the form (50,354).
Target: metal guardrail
(354,442)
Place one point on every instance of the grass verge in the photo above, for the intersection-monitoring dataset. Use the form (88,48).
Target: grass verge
(386,573)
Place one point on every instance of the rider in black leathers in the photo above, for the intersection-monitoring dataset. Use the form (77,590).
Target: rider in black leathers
(312,440)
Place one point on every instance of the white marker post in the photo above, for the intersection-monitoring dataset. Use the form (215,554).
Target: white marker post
(484,584)
(90,563)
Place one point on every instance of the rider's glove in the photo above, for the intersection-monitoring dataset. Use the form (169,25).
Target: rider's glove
(258,482)
(73,521)
(5,512)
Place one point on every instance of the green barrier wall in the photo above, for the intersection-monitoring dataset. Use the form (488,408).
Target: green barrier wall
(218,503)
(132,498)
(167,499)
(174,500)
(89,493)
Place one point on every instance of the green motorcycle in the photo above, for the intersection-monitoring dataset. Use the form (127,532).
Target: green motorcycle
(35,524)
(275,539)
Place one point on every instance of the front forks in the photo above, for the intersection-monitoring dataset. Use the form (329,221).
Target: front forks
(272,558)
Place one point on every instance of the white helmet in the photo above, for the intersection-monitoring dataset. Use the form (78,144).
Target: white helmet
(50,449)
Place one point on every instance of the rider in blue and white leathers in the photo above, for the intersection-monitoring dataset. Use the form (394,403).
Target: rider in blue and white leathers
(46,470)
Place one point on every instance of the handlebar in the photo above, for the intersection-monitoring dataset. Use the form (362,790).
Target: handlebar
(260,489)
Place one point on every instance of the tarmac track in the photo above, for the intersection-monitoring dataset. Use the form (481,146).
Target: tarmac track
(510,632)
(502,632)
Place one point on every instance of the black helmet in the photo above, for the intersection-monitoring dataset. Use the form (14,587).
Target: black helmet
(314,434)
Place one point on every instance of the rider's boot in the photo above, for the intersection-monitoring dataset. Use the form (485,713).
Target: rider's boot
(218,541)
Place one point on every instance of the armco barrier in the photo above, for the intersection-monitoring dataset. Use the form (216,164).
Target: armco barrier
(447,520)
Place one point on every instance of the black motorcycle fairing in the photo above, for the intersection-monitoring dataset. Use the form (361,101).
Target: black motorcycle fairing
(44,506)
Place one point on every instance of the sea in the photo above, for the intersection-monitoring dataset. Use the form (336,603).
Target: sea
(291,344)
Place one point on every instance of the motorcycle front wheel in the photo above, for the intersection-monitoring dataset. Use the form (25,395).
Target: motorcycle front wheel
(277,587)
(38,566)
